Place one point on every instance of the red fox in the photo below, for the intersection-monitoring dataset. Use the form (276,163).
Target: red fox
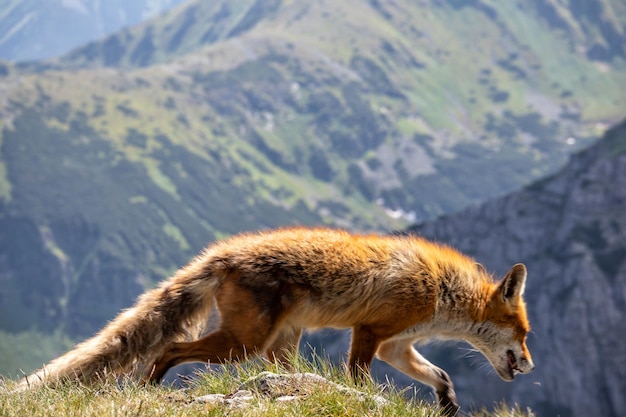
(390,290)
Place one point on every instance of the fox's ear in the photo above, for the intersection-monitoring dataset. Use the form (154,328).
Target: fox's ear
(513,284)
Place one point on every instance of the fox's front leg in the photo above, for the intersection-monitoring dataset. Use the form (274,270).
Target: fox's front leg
(402,355)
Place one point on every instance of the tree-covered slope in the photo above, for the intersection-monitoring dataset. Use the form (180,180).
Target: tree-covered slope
(407,93)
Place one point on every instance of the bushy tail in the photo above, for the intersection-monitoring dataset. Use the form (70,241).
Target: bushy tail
(175,310)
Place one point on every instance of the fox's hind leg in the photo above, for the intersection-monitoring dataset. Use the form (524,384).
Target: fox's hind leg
(249,323)
(402,355)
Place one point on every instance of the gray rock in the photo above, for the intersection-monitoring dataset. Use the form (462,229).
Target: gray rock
(283,387)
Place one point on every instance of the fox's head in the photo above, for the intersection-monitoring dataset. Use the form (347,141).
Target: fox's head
(501,336)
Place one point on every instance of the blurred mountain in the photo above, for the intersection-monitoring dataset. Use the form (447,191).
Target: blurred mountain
(121,159)
(37,29)
(570,231)
(402,102)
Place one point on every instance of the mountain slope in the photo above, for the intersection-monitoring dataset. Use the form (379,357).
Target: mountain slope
(570,230)
(415,98)
(456,87)
(31,29)
(596,31)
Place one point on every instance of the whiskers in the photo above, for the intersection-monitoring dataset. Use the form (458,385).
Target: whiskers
(485,366)
(477,360)
(467,352)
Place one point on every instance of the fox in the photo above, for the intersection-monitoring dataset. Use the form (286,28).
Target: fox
(390,290)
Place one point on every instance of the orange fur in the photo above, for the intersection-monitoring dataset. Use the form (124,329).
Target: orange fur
(269,286)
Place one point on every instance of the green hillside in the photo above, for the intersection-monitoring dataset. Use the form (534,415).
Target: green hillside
(393,96)
(119,161)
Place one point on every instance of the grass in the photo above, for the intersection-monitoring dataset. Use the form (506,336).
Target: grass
(130,398)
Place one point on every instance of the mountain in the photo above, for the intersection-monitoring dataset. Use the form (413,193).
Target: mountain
(570,231)
(596,32)
(416,98)
(36,29)
(120,160)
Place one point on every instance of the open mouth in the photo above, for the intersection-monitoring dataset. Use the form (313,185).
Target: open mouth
(512,362)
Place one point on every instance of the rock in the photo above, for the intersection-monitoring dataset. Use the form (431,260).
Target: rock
(283,387)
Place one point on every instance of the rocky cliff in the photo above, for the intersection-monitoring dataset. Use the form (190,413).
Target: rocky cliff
(570,230)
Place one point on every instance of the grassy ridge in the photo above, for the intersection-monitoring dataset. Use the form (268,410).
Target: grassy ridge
(128,398)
